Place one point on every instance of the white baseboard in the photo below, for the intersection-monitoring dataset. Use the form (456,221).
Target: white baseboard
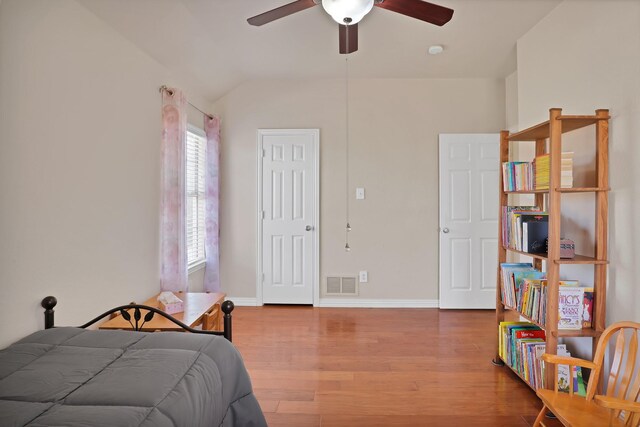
(353,303)
(378,303)
(243,301)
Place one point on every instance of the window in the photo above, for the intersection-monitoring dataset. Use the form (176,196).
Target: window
(194,218)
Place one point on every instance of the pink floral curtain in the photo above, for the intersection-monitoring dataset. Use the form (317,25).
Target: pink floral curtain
(173,262)
(212,203)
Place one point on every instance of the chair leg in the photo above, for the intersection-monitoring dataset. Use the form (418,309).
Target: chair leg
(540,416)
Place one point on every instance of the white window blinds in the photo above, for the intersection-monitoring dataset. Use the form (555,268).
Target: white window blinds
(195,172)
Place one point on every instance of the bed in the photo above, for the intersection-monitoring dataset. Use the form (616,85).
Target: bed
(74,376)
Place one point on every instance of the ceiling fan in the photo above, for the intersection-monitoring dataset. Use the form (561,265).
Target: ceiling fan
(347,13)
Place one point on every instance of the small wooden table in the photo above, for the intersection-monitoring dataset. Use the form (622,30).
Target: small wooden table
(200,309)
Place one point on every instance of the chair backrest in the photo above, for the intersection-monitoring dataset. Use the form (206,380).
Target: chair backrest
(623,379)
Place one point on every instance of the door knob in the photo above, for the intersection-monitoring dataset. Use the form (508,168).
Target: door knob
(308,228)
(445,230)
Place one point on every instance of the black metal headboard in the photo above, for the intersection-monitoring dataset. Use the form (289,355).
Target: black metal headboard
(138,320)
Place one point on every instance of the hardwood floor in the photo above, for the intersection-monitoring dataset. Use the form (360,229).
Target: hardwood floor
(379,367)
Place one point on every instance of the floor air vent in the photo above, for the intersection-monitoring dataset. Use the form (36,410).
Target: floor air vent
(342,286)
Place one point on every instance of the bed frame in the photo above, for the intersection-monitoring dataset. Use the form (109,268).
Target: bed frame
(138,321)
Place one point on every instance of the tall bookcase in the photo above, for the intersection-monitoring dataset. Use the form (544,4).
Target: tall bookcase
(552,131)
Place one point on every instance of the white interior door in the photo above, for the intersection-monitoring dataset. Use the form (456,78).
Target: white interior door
(469,177)
(289,211)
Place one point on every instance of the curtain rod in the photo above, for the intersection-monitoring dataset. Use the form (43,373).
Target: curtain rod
(170,92)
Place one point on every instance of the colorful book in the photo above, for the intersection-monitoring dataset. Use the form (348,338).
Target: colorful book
(502,342)
(522,362)
(512,225)
(530,333)
(563,370)
(519,278)
(508,289)
(570,307)
(538,372)
(521,345)
(512,342)
(578,382)
(587,310)
(541,171)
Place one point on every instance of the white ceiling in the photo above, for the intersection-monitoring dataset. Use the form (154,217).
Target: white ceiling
(210,43)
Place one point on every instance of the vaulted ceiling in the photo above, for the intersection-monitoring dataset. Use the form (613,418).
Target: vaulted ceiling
(210,42)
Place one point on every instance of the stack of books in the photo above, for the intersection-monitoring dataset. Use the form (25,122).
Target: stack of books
(517,176)
(521,346)
(541,171)
(524,289)
(525,228)
(566,170)
(513,276)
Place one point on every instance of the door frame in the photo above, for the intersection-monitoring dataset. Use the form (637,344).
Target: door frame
(315,133)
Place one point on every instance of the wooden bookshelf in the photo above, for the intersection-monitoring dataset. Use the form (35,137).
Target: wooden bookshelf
(552,131)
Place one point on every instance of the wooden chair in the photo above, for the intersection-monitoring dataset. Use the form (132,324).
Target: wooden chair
(618,405)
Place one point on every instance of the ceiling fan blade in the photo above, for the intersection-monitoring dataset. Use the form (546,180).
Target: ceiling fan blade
(348,38)
(428,12)
(281,12)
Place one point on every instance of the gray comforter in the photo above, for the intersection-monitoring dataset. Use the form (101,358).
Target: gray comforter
(75,377)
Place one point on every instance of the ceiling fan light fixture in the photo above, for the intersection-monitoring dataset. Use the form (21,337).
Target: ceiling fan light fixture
(347,12)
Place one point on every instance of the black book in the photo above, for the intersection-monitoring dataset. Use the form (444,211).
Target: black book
(535,230)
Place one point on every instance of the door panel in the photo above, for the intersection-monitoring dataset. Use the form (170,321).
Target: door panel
(460,204)
(469,177)
(288,224)
(460,257)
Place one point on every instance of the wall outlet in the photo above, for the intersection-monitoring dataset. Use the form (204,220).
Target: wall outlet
(363,277)
(360,193)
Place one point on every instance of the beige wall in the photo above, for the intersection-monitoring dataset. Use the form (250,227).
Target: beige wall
(586,55)
(79,165)
(394,127)
(511,101)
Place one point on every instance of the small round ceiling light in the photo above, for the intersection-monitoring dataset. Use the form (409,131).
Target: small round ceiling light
(435,49)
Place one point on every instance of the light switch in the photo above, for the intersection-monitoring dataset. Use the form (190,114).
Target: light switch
(360,193)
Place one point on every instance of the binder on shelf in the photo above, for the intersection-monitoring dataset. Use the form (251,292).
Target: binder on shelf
(535,230)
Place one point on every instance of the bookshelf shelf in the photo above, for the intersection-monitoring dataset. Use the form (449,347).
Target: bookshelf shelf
(582,190)
(578,259)
(586,332)
(569,123)
(548,140)
(581,259)
(527,192)
(564,333)
(540,131)
(536,256)
(562,190)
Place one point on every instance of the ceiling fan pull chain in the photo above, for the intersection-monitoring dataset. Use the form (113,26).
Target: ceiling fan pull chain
(348,226)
